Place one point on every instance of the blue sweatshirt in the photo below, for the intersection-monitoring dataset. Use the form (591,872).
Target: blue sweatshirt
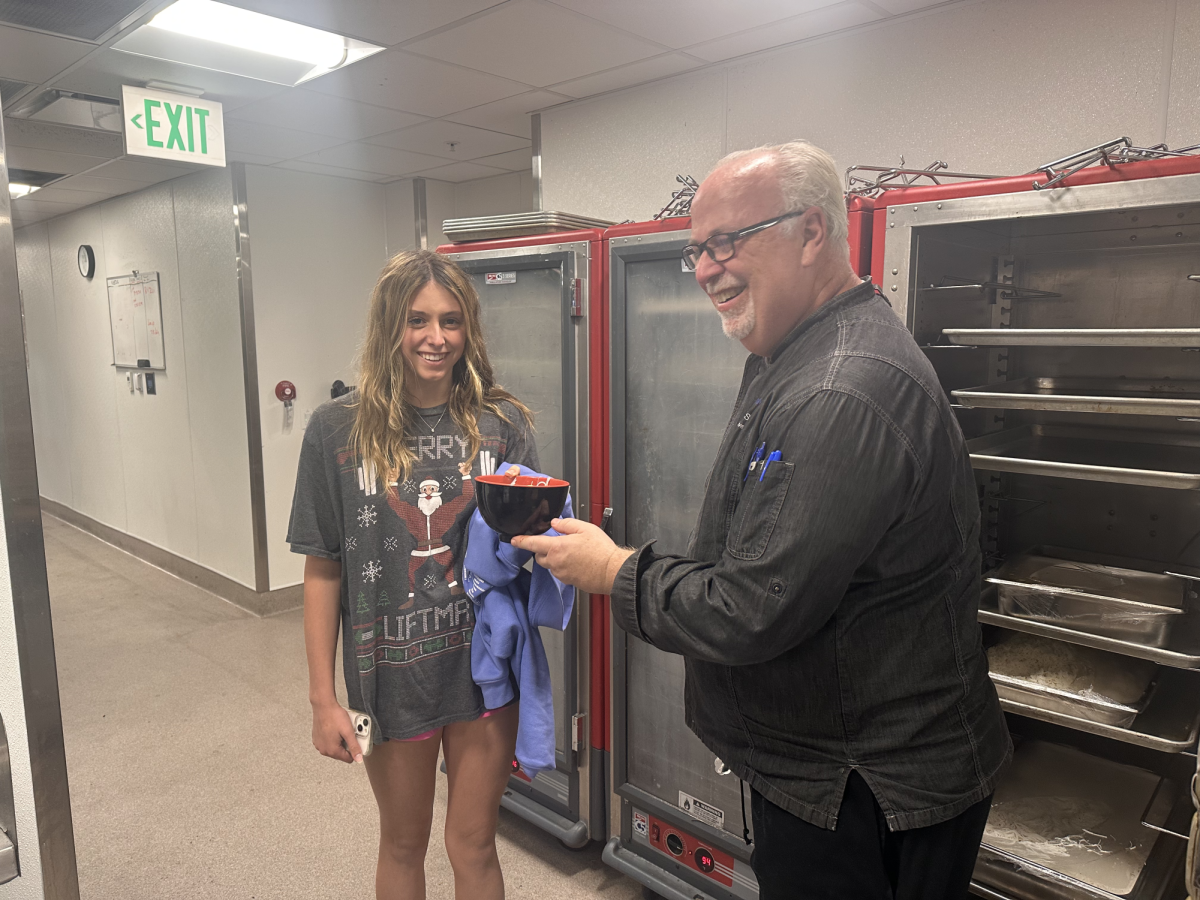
(506,648)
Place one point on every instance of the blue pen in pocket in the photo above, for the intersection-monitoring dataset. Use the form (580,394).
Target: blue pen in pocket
(775,455)
(758,454)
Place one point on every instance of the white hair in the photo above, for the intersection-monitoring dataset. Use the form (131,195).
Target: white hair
(808,177)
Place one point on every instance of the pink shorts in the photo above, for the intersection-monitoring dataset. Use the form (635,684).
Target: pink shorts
(428,734)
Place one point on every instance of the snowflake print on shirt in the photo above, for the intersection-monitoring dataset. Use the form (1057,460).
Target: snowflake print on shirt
(367,516)
(372,570)
(391,543)
(351,542)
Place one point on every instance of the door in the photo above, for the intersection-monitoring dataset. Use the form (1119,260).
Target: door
(538,353)
(675,379)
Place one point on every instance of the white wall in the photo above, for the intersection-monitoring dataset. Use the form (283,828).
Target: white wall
(495,196)
(992,86)
(317,245)
(171,469)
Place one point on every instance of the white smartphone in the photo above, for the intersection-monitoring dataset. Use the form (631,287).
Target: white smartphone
(363,729)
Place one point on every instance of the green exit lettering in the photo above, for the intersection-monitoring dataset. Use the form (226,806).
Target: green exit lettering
(180,119)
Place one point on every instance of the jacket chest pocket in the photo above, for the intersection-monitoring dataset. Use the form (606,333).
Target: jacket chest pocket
(757,511)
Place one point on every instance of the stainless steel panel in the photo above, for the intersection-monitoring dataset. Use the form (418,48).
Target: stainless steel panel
(258,490)
(681,379)
(9,867)
(27,575)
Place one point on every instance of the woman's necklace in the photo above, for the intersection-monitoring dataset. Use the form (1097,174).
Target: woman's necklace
(433,428)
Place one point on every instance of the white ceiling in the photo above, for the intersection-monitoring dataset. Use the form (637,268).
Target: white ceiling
(449,99)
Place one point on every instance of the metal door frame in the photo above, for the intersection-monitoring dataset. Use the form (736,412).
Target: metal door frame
(53,832)
(903,221)
(569,825)
(620,850)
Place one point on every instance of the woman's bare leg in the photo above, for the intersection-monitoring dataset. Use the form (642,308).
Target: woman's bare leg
(478,762)
(403,775)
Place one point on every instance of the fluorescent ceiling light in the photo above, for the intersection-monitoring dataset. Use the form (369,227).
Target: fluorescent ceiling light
(217,36)
(16,189)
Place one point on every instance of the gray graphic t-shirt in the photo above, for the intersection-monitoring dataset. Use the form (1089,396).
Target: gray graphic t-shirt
(406,621)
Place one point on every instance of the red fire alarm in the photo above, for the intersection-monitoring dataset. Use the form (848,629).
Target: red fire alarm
(285,391)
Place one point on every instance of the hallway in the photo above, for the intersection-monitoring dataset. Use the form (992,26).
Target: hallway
(191,767)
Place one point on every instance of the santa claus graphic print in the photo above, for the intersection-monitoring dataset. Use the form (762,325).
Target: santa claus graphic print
(428,521)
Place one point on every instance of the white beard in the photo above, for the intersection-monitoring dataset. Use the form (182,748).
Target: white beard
(738,324)
(429,505)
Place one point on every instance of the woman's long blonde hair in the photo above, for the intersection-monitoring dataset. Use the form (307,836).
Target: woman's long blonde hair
(384,417)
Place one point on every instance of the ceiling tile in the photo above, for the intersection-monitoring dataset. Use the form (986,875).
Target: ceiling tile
(255,159)
(62,138)
(514,161)
(510,115)
(96,184)
(130,168)
(435,138)
(51,161)
(88,21)
(35,58)
(798,28)
(681,23)
(58,194)
(899,7)
(335,171)
(281,143)
(626,76)
(43,209)
(104,74)
(373,158)
(322,114)
(400,80)
(463,171)
(535,42)
(378,21)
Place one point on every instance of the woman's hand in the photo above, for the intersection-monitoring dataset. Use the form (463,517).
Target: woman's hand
(333,732)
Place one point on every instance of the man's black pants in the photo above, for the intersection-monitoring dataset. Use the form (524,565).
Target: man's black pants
(862,860)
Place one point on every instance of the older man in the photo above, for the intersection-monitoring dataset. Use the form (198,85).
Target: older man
(826,610)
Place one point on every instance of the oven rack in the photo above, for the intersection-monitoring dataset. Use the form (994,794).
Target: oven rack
(1131,396)
(1112,455)
(1170,723)
(1074,337)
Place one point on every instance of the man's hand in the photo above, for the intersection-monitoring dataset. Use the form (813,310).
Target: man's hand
(583,555)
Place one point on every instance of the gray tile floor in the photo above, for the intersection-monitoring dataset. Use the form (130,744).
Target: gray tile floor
(191,767)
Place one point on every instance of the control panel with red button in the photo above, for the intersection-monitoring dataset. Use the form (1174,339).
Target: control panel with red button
(684,848)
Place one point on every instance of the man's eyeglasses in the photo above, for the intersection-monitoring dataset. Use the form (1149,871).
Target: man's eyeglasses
(721,247)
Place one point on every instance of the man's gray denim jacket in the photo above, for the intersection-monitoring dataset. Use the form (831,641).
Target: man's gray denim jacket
(826,609)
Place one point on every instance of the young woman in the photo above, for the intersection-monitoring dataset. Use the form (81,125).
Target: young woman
(383,495)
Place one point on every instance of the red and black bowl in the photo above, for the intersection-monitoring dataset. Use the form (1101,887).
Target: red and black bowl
(521,504)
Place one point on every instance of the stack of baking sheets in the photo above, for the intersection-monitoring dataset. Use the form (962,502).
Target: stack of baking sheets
(490,228)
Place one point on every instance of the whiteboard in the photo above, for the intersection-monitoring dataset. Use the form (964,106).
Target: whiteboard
(135,316)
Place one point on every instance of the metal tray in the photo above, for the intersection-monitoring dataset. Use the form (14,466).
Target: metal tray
(1170,723)
(1092,685)
(1182,652)
(1120,456)
(1127,604)
(1075,821)
(1074,337)
(482,228)
(1143,397)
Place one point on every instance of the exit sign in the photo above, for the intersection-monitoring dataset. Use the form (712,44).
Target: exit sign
(173,126)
